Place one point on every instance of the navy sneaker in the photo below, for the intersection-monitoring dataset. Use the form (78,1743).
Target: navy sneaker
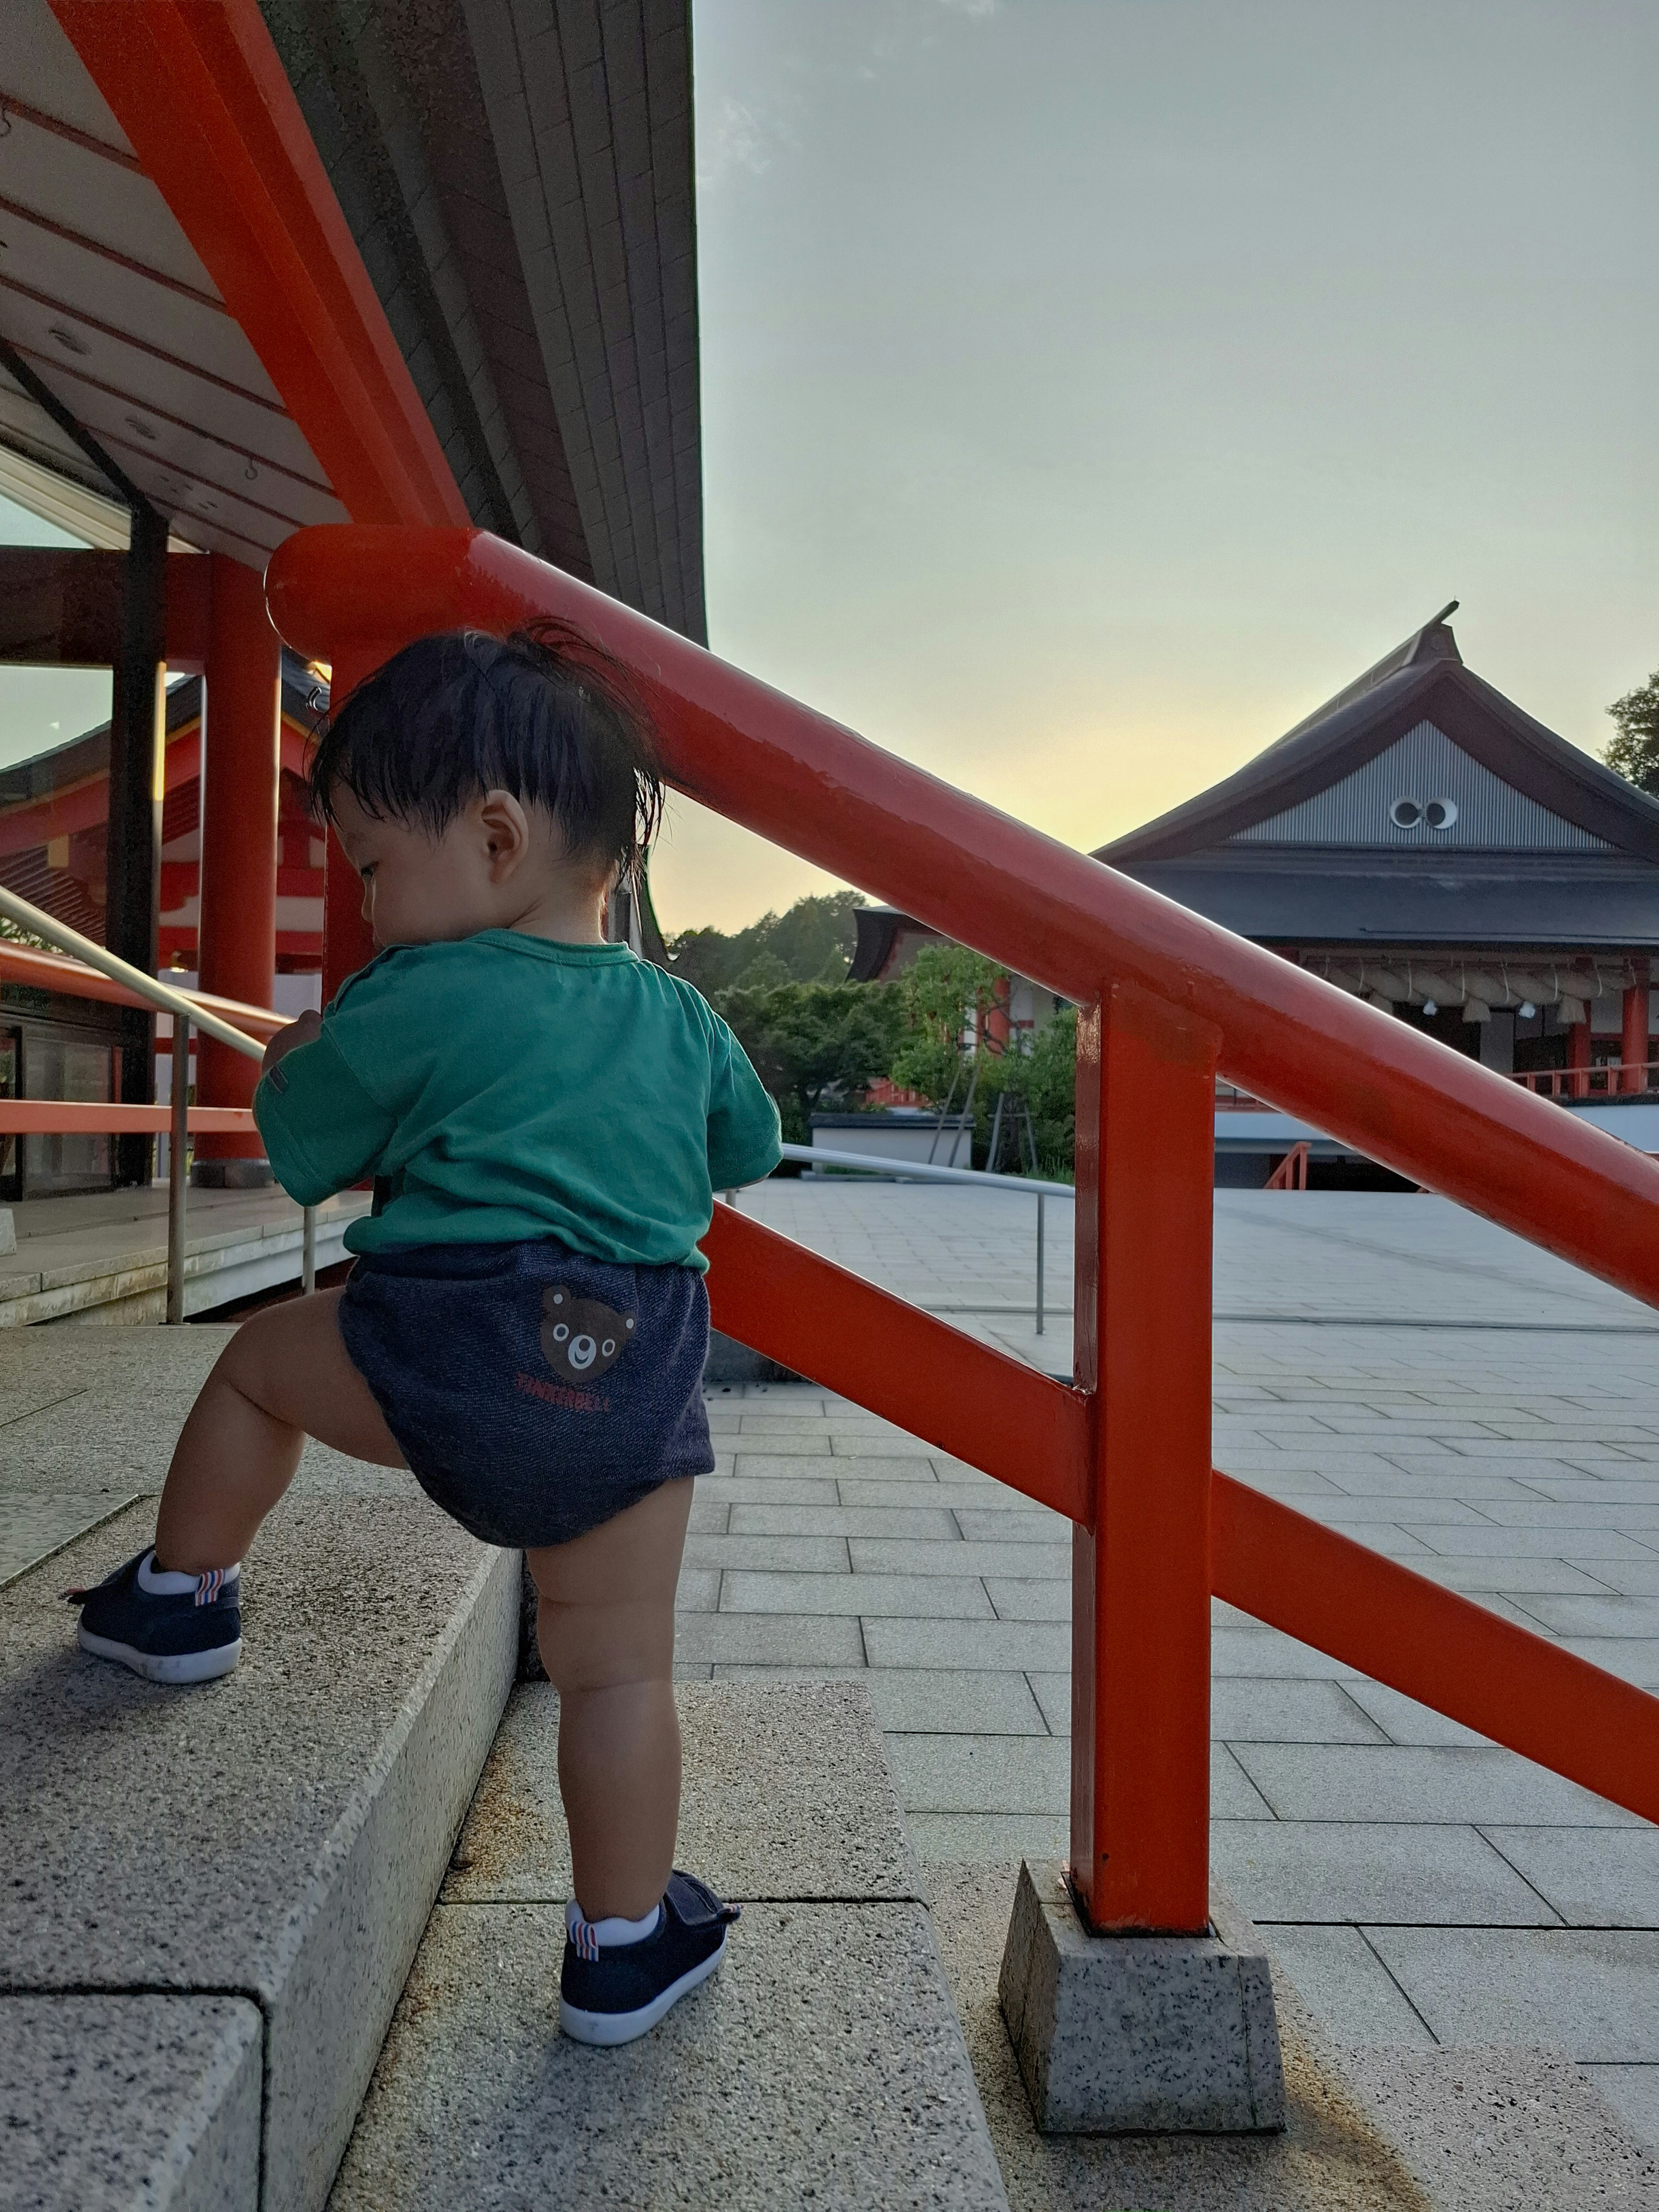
(168,1627)
(611,1993)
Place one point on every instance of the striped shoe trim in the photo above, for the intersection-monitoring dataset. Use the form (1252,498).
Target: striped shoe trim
(585,1939)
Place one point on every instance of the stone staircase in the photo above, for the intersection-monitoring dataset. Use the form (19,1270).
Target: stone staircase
(210,1901)
(292,1939)
(822,2065)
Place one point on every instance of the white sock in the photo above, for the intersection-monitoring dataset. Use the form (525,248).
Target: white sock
(613,1933)
(167,1582)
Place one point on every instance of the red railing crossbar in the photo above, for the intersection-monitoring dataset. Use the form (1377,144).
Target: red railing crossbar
(60,1117)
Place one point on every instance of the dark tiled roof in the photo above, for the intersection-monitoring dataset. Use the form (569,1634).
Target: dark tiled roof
(1424,679)
(1587,901)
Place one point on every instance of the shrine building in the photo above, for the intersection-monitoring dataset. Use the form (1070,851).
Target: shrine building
(1421,841)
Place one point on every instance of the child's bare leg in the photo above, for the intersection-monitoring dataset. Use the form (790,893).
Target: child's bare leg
(284,1376)
(606,1626)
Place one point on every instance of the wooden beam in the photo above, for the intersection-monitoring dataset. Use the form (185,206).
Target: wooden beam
(62,608)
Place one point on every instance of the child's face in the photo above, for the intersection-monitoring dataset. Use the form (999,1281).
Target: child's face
(497,865)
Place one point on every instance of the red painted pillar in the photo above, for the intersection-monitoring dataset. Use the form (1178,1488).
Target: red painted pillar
(1579,1058)
(997,1026)
(1633,1048)
(1140,1574)
(348,943)
(240,757)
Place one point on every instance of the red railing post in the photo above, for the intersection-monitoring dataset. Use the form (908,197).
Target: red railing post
(1633,1044)
(236,951)
(1140,1573)
(1579,1058)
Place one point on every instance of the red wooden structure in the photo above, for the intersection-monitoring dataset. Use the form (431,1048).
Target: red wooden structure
(1124,1454)
(214,123)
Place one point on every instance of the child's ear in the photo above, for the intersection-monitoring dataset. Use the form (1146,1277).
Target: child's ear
(506,831)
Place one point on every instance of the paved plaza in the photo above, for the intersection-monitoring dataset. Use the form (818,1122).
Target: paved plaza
(1386,1364)
(1405,1373)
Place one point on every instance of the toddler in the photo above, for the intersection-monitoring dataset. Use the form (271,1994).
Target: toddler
(546,1118)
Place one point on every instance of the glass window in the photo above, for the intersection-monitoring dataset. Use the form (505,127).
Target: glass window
(9,1154)
(81,1071)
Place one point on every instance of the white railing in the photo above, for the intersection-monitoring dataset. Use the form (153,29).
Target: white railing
(184,1011)
(924,1171)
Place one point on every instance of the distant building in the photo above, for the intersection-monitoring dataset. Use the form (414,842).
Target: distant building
(54,810)
(1420,841)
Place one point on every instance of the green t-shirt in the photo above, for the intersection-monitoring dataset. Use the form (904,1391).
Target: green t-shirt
(509,1088)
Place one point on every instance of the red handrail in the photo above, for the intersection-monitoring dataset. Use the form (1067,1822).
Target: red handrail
(1603,1078)
(1167,997)
(56,971)
(1311,1582)
(60,1117)
(808,783)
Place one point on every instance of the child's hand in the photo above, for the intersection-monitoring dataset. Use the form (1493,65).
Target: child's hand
(306,1031)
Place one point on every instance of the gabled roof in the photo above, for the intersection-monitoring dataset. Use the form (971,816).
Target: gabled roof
(305,697)
(1423,681)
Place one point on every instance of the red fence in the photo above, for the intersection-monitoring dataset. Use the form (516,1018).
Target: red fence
(1170,999)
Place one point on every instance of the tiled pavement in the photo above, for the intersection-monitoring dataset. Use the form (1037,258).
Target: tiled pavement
(1485,1415)
(1386,1364)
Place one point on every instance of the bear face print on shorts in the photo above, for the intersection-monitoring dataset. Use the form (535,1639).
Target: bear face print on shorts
(580,1338)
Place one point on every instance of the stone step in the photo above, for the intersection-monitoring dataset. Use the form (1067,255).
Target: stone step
(115,2102)
(103,1258)
(822,2065)
(212,1897)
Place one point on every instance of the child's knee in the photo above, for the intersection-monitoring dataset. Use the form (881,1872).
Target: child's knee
(247,1359)
(588,1647)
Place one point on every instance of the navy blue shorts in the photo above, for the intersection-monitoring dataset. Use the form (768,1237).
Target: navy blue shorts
(534,1393)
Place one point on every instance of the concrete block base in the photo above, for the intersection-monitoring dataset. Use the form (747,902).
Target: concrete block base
(1120,2033)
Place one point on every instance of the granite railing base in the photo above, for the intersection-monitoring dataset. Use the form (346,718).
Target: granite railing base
(1122,2034)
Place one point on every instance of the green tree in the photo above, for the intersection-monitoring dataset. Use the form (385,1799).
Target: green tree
(1635,751)
(943,991)
(815,1045)
(1040,1075)
(765,972)
(815,939)
(14,933)
(812,943)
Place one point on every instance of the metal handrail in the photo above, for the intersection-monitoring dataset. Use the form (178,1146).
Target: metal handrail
(925,1172)
(108,963)
(184,1011)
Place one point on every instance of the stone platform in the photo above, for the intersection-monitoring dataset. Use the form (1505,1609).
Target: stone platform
(103,1257)
(1403,1372)
(1437,1903)
(1478,2129)
(212,1897)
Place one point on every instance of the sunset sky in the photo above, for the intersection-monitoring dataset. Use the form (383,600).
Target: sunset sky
(1091,386)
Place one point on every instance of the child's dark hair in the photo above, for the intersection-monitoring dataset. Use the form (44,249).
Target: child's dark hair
(543,714)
